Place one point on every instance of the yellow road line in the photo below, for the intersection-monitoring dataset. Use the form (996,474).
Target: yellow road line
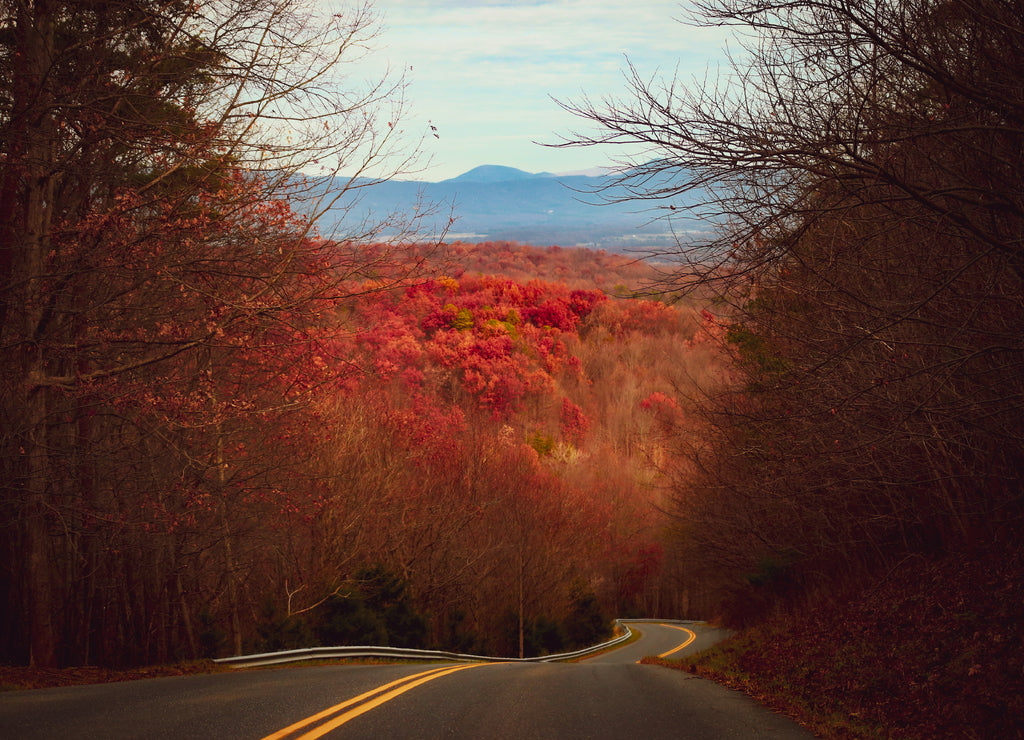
(691,638)
(403,684)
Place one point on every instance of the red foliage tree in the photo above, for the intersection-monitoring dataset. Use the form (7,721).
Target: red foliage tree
(158,298)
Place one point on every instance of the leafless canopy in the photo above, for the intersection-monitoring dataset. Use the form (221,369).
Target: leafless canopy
(862,161)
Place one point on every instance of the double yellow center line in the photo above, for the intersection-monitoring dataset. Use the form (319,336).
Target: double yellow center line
(677,648)
(362,704)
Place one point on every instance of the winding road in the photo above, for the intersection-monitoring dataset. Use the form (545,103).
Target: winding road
(606,696)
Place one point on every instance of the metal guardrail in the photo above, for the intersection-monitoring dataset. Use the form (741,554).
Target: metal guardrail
(371,651)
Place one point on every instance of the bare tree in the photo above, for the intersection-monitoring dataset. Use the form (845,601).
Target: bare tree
(153,226)
(861,164)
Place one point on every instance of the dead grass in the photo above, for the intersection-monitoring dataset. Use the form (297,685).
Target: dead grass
(932,650)
(20,677)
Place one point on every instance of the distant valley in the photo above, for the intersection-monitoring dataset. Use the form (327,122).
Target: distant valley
(503,203)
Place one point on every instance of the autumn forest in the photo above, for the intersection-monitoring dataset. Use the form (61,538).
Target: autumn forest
(224,431)
(421,463)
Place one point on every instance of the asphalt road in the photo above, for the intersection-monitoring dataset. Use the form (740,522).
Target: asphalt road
(608,696)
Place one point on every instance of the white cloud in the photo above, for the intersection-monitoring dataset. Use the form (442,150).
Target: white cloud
(485,72)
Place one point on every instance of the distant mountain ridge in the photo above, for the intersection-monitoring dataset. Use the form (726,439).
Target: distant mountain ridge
(493,173)
(496,203)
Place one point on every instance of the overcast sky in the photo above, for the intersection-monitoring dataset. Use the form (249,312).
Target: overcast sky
(484,72)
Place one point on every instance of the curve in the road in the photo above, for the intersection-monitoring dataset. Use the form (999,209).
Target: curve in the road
(689,640)
(606,696)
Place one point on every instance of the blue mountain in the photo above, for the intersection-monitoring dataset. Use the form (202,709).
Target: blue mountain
(492,173)
(492,203)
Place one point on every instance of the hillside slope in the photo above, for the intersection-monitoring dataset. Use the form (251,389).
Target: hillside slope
(930,649)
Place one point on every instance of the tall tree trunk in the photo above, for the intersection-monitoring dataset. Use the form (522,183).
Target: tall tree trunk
(39,567)
(521,630)
(29,183)
(186,618)
(229,557)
